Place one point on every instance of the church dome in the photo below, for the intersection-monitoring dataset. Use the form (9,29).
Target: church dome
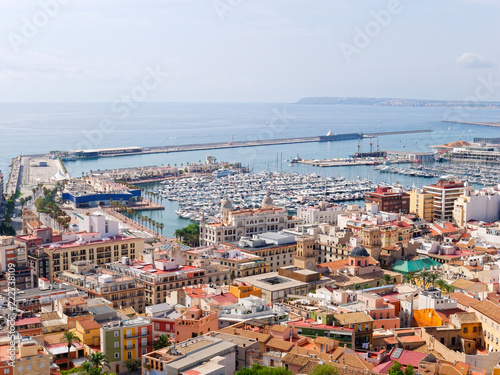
(226,204)
(359,251)
(267,201)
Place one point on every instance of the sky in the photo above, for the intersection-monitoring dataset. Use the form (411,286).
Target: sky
(248,50)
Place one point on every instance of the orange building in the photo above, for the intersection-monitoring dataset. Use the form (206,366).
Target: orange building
(195,322)
(244,291)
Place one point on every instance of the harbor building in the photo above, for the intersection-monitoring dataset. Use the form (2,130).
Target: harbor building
(389,200)
(482,205)
(323,213)
(444,193)
(82,195)
(422,204)
(236,224)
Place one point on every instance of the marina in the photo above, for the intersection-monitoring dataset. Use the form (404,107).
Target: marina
(201,196)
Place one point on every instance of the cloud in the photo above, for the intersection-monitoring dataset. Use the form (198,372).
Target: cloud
(472,60)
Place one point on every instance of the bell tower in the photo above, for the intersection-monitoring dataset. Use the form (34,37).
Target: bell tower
(304,255)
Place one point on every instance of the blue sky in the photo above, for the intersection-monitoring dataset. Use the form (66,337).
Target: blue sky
(247,50)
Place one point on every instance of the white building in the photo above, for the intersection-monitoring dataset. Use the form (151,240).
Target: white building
(433,298)
(322,213)
(251,308)
(445,192)
(235,224)
(97,223)
(482,205)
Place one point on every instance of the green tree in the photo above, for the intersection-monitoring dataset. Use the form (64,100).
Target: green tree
(69,338)
(387,279)
(409,370)
(133,365)
(161,342)
(96,360)
(257,369)
(327,369)
(396,369)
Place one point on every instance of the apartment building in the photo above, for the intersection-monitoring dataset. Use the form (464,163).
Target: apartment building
(162,276)
(91,247)
(319,214)
(422,204)
(389,200)
(14,255)
(488,314)
(30,357)
(444,193)
(276,249)
(482,205)
(122,291)
(194,323)
(125,339)
(362,326)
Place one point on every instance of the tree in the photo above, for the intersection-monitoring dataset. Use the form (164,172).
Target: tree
(162,342)
(432,278)
(409,370)
(387,279)
(327,369)
(396,369)
(69,337)
(133,365)
(96,359)
(257,369)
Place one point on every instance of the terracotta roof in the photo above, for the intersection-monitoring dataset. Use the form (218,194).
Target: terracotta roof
(409,357)
(311,365)
(89,324)
(352,360)
(278,328)
(352,318)
(261,337)
(487,308)
(462,284)
(281,345)
(295,359)
(462,299)
(467,317)
(324,340)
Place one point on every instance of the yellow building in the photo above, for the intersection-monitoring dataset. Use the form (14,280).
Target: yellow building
(389,235)
(422,204)
(427,318)
(89,333)
(488,314)
(469,324)
(244,291)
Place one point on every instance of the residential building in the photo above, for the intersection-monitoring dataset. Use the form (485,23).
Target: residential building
(444,193)
(251,308)
(483,205)
(124,339)
(323,213)
(163,317)
(15,253)
(203,355)
(362,326)
(122,291)
(92,247)
(277,249)
(236,224)
(422,204)
(488,314)
(30,357)
(195,322)
(389,200)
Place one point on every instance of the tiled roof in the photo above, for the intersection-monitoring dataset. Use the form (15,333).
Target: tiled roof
(281,345)
(409,357)
(295,359)
(278,328)
(487,308)
(352,318)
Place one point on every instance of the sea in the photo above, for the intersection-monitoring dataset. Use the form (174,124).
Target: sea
(31,128)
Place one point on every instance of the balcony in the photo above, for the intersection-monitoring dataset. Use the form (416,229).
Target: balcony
(139,334)
(130,347)
(144,344)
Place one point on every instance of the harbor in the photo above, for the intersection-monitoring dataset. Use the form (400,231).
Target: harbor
(125,151)
(201,196)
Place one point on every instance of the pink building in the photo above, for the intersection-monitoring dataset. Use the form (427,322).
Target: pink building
(382,312)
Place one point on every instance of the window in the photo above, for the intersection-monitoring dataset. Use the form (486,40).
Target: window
(474,329)
(117,344)
(143,351)
(129,355)
(6,371)
(116,333)
(42,365)
(28,367)
(117,355)
(20,368)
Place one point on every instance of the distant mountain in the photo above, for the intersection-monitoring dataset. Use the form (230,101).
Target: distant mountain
(396,102)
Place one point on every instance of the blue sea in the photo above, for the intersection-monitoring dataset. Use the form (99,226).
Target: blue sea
(27,128)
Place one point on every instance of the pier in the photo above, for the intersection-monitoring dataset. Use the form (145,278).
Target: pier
(111,152)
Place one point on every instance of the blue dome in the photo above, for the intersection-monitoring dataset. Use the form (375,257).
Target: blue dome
(359,251)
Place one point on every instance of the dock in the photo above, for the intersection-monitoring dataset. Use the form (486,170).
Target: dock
(112,152)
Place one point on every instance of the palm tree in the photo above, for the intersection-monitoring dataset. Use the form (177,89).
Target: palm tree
(69,337)
(96,359)
(423,276)
(387,278)
(433,276)
(162,342)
